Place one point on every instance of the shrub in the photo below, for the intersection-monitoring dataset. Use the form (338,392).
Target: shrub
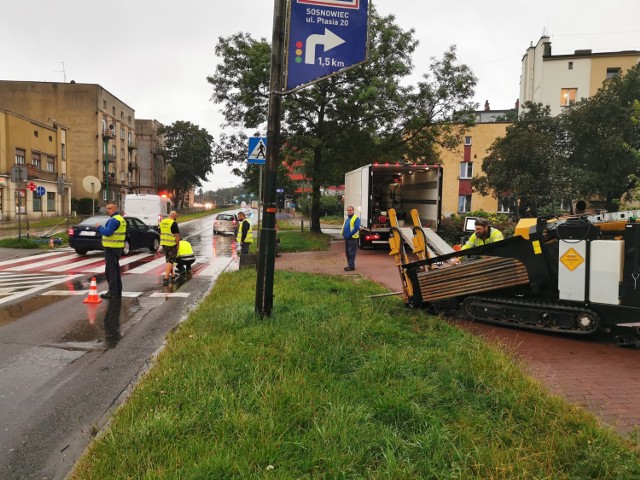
(84,206)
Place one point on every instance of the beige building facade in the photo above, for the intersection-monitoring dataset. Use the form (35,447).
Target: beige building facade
(101,129)
(34,168)
(460,165)
(562,80)
(151,172)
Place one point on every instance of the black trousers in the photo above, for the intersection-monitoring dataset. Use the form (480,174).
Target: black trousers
(112,269)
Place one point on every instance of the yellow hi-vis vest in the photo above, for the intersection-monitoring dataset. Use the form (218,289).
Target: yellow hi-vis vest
(352,225)
(494,236)
(167,239)
(116,239)
(184,249)
(249,237)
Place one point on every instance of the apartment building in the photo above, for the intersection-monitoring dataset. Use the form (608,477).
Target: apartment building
(460,165)
(101,129)
(34,166)
(561,80)
(150,174)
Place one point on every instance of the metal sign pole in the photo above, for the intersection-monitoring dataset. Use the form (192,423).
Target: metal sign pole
(267,252)
(260,202)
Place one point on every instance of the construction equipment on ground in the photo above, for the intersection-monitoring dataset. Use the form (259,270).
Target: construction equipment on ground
(575,275)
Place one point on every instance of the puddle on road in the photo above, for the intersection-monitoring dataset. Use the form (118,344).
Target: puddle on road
(103,326)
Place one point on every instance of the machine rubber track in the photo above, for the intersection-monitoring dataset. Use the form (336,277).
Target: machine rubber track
(545,316)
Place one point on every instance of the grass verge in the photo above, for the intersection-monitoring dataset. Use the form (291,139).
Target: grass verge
(336,385)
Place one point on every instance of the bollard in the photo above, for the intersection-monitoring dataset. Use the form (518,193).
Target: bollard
(302,225)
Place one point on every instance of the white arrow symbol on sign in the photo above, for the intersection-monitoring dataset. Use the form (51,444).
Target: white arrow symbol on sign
(329,40)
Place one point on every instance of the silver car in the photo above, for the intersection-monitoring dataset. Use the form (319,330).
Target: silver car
(225,223)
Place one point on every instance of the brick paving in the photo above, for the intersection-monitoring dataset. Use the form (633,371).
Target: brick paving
(592,372)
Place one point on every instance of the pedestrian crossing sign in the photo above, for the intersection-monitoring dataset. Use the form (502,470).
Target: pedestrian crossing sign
(257,150)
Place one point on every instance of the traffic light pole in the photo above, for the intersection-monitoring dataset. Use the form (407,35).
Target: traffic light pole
(267,248)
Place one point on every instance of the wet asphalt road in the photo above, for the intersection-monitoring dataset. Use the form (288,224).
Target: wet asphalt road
(65,364)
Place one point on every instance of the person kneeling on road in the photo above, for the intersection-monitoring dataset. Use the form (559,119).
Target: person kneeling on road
(185,258)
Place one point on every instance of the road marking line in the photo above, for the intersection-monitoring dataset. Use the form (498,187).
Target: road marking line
(43,263)
(149,266)
(125,261)
(174,294)
(27,259)
(58,279)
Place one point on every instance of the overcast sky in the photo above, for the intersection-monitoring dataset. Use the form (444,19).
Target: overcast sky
(155,55)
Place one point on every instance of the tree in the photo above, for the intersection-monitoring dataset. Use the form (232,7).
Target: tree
(527,162)
(604,140)
(189,154)
(351,119)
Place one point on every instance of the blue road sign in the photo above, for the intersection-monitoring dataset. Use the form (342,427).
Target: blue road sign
(40,191)
(325,37)
(257,150)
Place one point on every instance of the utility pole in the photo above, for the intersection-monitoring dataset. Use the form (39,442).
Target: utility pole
(267,248)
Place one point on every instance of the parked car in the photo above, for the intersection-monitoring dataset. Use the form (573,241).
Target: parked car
(85,236)
(225,223)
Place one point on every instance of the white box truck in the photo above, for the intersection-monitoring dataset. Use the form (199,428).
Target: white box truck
(151,209)
(373,189)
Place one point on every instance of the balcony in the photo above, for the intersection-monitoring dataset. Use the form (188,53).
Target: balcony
(132,146)
(133,166)
(107,133)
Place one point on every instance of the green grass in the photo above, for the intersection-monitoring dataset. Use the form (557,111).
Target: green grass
(20,243)
(339,386)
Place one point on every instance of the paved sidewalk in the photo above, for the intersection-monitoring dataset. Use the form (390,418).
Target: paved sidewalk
(592,372)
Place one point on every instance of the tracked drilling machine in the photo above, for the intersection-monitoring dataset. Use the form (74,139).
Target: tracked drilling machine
(574,275)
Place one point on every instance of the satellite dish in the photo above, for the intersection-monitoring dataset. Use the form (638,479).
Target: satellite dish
(91,184)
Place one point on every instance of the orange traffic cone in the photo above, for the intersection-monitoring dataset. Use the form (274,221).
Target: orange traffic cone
(93,293)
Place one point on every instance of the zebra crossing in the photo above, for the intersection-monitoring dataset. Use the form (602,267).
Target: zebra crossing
(16,285)
(66,261)
(35,274)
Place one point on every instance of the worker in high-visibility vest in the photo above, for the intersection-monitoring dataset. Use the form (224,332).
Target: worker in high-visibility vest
(185,258)
(113,236)
(351,234)
(484,233)
(245,233)
(169,240)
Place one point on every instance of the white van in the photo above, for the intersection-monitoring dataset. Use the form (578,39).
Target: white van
(151,209)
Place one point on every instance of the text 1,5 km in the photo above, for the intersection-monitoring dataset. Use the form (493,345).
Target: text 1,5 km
(330,62)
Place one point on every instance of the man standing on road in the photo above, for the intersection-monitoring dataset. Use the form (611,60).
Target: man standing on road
(245,233)
(351,234)
(170,240)
(113,236)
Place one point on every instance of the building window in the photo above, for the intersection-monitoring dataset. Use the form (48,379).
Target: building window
(568,96)
(50,138)
(122,177)
(63,151)
(20,156)
(113,151)
(570,65)
(35,133)
(504,204)
(113,111)
(129,119)
(122,154)
(122,133)
(35,160)
(467,140)
(466,170)
(51,202)
(37,202)
(464,203)
(613,72)
(51,164)
(104,104)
